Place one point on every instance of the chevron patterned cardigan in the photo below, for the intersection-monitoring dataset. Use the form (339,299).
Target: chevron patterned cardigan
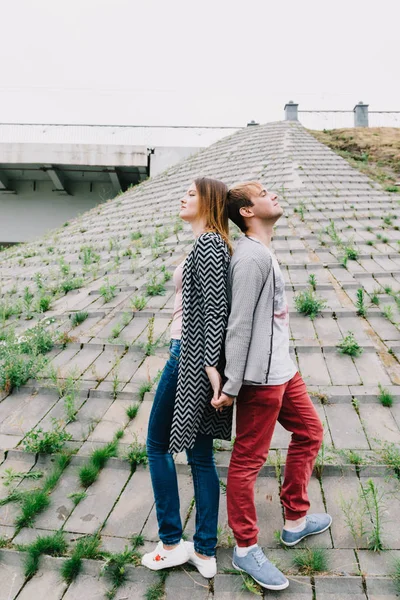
(204,321)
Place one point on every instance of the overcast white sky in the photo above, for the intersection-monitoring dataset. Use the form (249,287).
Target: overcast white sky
(194,62)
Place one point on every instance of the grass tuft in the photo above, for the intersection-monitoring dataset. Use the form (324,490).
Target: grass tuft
(311,560)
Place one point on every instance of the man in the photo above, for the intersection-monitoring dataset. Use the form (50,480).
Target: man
(261,374)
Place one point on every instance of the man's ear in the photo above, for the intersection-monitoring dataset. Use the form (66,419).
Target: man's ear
(246,212)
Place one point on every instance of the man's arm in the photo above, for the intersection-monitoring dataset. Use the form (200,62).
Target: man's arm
(247,283)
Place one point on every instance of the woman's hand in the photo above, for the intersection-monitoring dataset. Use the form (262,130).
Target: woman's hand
(215,380)
(223,400)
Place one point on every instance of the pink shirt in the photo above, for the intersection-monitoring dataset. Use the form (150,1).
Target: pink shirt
(176,326)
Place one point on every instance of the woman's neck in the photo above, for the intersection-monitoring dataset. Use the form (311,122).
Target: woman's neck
(198,227)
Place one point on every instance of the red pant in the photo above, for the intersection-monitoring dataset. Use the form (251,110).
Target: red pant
(258,409)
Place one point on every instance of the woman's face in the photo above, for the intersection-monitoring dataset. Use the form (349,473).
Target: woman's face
(190,204)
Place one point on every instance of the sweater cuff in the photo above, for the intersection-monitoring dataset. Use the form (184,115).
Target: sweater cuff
(232,388)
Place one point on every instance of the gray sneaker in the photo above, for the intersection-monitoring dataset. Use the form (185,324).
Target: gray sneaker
(257,565)
(314,524)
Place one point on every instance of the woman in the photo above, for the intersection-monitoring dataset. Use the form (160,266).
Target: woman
(182,417)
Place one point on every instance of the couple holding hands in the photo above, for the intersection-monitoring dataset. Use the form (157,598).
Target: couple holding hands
(230,344)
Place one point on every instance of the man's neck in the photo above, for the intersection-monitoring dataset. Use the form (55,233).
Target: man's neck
(261,232)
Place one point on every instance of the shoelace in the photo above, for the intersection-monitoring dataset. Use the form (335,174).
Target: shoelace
(260,557)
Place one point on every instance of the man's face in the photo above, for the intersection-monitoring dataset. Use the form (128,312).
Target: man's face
(266,205)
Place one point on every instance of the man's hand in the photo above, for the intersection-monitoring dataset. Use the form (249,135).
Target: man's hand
(222,401)
(215,380)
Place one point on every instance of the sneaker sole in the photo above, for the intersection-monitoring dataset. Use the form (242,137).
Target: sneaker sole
(159,567)
(277,588)
(307,535)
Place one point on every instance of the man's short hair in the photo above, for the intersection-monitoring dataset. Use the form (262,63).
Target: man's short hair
(240,195)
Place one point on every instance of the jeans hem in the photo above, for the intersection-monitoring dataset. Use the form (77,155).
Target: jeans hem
(205,552)
(170,542)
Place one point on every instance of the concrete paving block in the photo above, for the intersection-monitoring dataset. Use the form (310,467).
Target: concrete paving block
(82,362)
(61,506)
(182,585)
(375,564)
(148,369)
(11,574)
(8,442)
(229,587)
(91,512)
(138,426)
(132,508)
(26,411)
(115,418)
(46,585)
(336,491)
(379,423)
(345,427)
(341,369)
(104,364)
(313,368)
(382,588)
(90,413)
(327,330)
(371,369)
(88,587)
(389,503)
(338,588)
(127,366)
(302,330)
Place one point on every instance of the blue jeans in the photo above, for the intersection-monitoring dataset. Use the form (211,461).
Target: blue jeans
(163,471)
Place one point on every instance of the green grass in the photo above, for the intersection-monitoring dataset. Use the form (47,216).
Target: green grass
(35,501)
(155,287)
(390,456)
(156,591)
(144,388)
(360,304)
(46,442)
(138,302)
(349,345)
(78,318)
(132,411)
(98,459)
(308,303)
(77,497)
(396,574)
(385,397)
(137,454)
(114,569)
(54,545)
(108,291)
(310,560)
(86,547)
(69,284)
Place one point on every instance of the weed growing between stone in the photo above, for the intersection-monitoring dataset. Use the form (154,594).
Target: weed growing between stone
(138,302)
(46,442)
(132,411)
(385,397)
(98,460)
(360,304)
(308,303)
(54,545)
(137,454)
(78,318)
(157,590)
(374,499)
(349,345)
(390,456)
(311,560)
(86,547)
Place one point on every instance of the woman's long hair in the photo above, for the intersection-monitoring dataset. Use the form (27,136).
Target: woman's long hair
(213,196)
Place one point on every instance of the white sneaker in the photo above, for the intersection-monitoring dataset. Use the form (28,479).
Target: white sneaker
(162,559)
(206,567)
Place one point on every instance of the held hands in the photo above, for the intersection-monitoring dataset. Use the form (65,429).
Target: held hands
(222,401)
(219,400)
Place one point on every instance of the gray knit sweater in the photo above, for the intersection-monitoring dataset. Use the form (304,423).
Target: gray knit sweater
(251,288)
